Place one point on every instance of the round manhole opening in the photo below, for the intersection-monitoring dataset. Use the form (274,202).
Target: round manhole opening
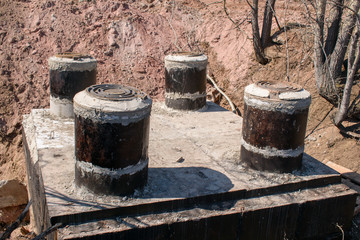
(114,92)
(71,55)
(279,86)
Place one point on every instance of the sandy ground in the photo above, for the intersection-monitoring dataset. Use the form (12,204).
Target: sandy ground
(130,40)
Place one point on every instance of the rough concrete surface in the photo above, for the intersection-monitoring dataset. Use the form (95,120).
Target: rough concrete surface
(192,162)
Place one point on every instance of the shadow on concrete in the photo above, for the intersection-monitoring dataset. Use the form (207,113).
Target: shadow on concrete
(184,182)
(213,107)
(313,167)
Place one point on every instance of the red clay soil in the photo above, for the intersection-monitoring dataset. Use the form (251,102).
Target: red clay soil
(130,39)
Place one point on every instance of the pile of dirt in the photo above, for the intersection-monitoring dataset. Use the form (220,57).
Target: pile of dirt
(130,39)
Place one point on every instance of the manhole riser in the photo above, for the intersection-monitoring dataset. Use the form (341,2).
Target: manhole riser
(69,76)
(112,125)
(185,81)
(274,126)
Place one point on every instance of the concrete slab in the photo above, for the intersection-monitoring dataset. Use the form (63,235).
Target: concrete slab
(192,162)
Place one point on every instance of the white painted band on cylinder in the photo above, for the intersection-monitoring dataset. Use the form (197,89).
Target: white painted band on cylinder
(186,61)
(191,96)
(107,111)
(61,107)
(69,64)
(268,152)
(91,169)
(288,107)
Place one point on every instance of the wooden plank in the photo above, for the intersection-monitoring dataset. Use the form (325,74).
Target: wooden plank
(345,172)
(338,168)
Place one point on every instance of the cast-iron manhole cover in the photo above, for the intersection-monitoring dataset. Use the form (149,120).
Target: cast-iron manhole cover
(114,92)
(74,56)
(279,87)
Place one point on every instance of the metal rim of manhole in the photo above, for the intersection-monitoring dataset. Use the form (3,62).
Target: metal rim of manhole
(72,55)
(279,86)
(114,92)
(188,54)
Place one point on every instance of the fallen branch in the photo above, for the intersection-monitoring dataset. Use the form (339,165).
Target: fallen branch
(47,231)
(233,108)
(16,224)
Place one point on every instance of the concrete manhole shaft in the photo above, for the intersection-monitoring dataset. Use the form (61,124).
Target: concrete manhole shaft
(185,80)
(111,138)
(69,74)
(274,126)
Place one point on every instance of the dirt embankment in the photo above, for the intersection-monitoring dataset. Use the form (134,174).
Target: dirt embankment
(130,39)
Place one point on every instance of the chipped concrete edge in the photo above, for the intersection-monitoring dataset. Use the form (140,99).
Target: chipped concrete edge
(38,209)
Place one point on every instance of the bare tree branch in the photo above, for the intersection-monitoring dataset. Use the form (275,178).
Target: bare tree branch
(267,20)
(276,19)
(343,40)
(258,48)
(333,31)
(353,60)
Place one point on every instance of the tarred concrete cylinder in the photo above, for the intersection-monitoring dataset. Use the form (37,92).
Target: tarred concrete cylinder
(111,138)
(274,125)
(185,81)
(69,74)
